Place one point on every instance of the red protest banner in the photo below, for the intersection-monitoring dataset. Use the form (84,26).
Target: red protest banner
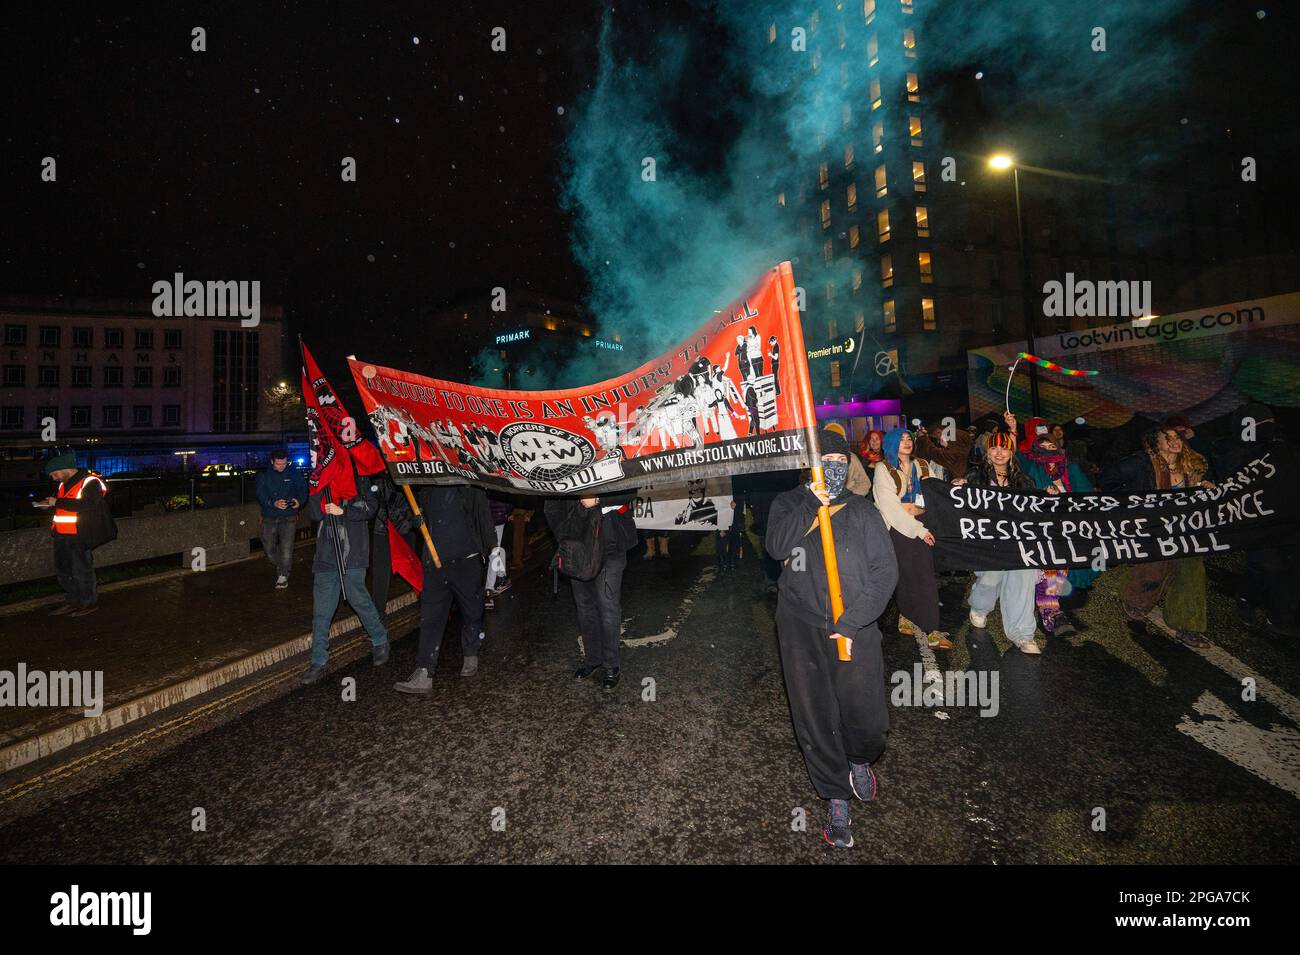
(730,399)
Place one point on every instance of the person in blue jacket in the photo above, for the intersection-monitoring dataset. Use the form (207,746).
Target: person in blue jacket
(282,492)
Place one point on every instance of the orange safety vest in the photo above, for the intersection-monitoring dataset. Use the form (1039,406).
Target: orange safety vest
(65,520)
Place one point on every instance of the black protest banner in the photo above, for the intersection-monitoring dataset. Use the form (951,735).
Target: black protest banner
(986,528)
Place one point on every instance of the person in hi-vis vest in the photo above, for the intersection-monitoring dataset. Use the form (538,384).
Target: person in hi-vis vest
(81,523)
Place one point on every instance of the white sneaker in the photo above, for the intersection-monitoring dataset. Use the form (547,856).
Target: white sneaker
(281,582)
(978,620)
(1028,646)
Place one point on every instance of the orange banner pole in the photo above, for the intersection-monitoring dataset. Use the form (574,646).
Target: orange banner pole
(415,509)
(803,386)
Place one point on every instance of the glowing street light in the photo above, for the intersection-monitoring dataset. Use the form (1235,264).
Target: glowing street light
(1001,162)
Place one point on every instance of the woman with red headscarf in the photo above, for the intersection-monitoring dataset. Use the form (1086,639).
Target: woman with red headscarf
(1048,467)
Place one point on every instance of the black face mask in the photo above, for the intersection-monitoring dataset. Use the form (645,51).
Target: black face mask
(836,473)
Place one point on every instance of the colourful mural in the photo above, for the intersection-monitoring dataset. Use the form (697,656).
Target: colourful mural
(1201,364)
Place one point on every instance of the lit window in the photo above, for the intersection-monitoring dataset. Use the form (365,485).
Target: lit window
(842,37)
(846,115)
(780,199)
(828,251)
(909,43)
(835,374)
(848,156)
(923,261)
(922,222)
(878,137)
(918,176)
(817,60)
(875,94)
(927,314)
(771,33)
(914,129)
(826,213)
(857,280)
(882,225)
(880,182)
(886,271)
(913,88)
(907,6)
(844,74)
(873,51)
(851,196)
(832,329)
(814,21)
(854,237)
(830,297)
(891,320)
(869,9)
(823,176)
(860,323)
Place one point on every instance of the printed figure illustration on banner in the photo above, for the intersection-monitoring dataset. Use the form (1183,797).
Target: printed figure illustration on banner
(722,402)
(693,506)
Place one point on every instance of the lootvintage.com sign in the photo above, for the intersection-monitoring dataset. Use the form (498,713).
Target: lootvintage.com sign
(985,528)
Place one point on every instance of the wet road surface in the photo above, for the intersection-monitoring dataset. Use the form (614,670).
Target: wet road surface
(692,757)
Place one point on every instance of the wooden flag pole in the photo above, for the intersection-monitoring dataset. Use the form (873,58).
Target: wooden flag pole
(803,387)
(415,509)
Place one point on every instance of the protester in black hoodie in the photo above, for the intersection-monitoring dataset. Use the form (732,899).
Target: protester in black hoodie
(838,707)
(599,600)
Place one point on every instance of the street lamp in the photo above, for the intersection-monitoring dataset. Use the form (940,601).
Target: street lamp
(1001,163)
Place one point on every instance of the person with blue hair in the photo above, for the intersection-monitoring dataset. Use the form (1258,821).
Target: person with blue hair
(896,488)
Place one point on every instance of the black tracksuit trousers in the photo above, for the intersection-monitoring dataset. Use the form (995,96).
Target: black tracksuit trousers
(839,708)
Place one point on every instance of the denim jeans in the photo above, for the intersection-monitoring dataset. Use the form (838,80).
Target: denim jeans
(277,541)
(75,566)
(325,600)
(1015,590)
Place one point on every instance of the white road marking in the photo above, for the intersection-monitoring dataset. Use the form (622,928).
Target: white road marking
(675,620)
(1272,754)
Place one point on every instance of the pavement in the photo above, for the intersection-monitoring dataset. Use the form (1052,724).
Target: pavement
(1115,746)
(155,634)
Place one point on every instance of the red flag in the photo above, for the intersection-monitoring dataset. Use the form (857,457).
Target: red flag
(403,559)
(339,434)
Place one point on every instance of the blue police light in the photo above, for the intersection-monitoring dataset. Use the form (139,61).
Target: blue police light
(300,461)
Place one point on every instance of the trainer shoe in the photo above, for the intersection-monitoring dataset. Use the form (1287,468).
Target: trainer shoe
(938,640)
(584,671)
(420,682)
(469,667)
(312,675)
(60,610)
(611,678)
(282,582)
(379,654)
(906,627)
(502,585)
(977,619)
(837,831)
(863,781)
(1028,646)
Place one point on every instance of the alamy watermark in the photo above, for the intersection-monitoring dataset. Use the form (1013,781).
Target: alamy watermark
(83,689)
(177,297)
(953,688)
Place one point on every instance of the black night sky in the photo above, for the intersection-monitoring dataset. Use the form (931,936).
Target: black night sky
(225,164)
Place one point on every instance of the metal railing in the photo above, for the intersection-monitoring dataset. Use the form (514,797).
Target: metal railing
(128,496)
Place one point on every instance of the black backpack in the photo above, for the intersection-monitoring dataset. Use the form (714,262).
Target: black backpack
(579,544)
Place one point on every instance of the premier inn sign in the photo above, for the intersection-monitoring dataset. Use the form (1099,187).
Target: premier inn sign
(839,348)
